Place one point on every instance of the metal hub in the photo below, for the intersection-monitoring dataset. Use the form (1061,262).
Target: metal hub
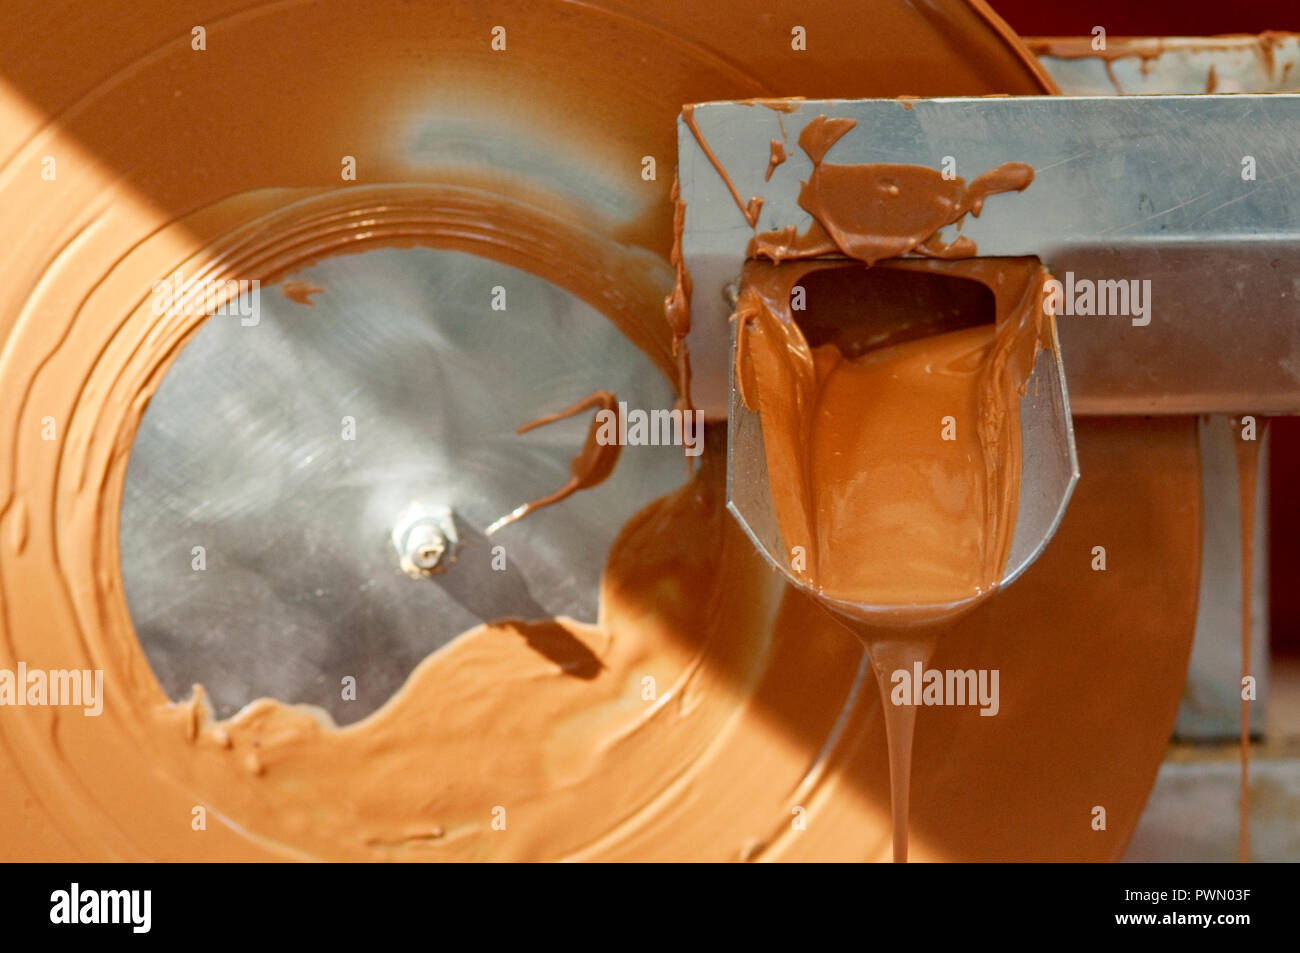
(280,465)
(426,540)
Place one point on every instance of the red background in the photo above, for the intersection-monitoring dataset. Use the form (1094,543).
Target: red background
(1147,17)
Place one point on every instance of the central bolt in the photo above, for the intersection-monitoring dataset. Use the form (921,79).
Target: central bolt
(425,539)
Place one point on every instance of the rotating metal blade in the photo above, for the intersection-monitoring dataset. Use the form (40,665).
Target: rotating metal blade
(290,451)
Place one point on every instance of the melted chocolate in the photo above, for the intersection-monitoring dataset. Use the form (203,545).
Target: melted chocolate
(883,210)
(750,679)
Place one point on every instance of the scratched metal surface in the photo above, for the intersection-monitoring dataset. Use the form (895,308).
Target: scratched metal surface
(241,452)
(1136,187)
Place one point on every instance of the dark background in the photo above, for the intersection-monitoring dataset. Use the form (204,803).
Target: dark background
(1147,17)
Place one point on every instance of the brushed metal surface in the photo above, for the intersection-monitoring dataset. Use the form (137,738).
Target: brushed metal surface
(1136,187)
(241,452)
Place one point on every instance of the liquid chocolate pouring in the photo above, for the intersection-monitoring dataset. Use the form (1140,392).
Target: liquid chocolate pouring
(1246,447)
(616,739)
(894,472)
(930,424)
